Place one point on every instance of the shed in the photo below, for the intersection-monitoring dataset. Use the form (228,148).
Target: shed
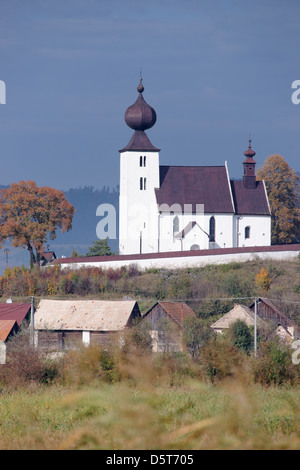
(268,311)
(63,323)
(15,311)
(165,321)
(264,317)
(239,312)
(12,315)
(7,329)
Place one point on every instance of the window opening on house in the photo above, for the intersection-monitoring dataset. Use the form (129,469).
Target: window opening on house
(247,232)
(144,161)
(141,161)
(144,183)
(141,184)
(212,229)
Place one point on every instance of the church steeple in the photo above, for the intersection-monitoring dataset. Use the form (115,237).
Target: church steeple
(249,163)
(139,117)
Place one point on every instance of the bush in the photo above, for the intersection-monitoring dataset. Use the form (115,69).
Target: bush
(274,366)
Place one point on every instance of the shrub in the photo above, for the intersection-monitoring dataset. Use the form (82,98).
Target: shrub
(274,366)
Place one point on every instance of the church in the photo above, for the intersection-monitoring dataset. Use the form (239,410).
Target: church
(183,208)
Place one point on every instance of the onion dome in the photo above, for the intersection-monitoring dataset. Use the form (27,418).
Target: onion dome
(249,153)
(140,116)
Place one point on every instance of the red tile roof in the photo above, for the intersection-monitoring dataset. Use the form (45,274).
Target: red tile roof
(6,326)
(178,311)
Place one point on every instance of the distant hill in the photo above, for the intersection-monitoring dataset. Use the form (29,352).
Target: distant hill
(85,200)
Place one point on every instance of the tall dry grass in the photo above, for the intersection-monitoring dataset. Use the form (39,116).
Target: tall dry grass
(128,399)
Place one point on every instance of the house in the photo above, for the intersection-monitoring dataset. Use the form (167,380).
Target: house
(239,312)
(47,257)
(7,329)
(61,324)
(165,321)
(266,310)
(20,312)
(12,316)
(267,314)
(166,208)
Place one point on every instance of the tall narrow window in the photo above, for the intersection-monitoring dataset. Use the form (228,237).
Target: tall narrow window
(141,161)
(247,232)
(144,161)
(142,184)
(212,229)
(175,225)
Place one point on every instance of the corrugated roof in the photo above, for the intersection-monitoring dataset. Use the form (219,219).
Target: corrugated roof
(90,315)
(5,328)
(14,311)
(194,185)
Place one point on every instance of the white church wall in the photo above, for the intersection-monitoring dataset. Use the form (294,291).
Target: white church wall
(198,235)
(138,225)
(251,230)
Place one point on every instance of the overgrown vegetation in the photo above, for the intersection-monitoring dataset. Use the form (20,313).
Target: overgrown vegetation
(210,291)
(215,395)
(128,398)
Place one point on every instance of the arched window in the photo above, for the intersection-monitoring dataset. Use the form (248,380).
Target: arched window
(195,247)
(175,225)
(247,232)
(212,229)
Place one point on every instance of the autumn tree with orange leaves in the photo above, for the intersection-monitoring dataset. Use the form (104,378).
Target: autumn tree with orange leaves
(283,188)
(30,216)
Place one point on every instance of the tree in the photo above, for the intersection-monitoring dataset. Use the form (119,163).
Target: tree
(99,248)
(195,334)
(282,184)
(30,216)
(241,336)
(263,280)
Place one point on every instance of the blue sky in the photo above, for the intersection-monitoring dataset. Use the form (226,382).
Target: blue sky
(214,71)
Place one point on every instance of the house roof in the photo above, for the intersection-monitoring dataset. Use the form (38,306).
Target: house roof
(208,185)
(14,311)
(6,327)
(239,312)
(280,317)
(178,311)
(250,201)
(48,255)
(90,315)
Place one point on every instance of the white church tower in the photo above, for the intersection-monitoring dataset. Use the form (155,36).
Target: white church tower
(139,176)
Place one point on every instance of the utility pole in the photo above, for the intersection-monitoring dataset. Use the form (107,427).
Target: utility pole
(255,327)
(32,342)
